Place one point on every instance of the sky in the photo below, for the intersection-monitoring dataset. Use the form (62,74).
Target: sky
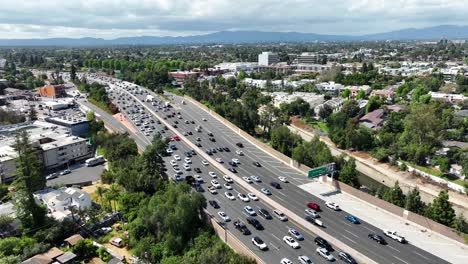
(110,19)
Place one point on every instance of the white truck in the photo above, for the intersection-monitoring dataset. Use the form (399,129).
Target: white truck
(149,98)
(394,235)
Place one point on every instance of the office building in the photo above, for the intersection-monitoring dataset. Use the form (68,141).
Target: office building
(78,126)
(307,58)
(52,91)
(267,58)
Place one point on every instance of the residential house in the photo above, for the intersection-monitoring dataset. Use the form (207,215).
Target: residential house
(450,98)
(373,120)
(60,201)
(457,170)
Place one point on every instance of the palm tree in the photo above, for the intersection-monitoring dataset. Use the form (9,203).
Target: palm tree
(112,195)
(100,192)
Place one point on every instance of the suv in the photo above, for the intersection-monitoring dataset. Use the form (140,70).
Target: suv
(255,223)
(264,213)
(323,243)
(275,185)
(242,227)
(280,215)
(346,257)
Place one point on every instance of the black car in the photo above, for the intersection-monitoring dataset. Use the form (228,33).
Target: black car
(208,152)
(319,241)
(198,139)
(264,213)
(193,152)
(255,223)
(214,204)
(239,145)
(232,169)
(212,139)
(165,128)
(158,122)
(188,154)
(276,185)
(377,238)
(193,122)
(227,149)
(346,257)
(198,145)
(233,164)
(210,134)
(242,227)
(257,164)
(220,149)
(177,122)
(175,126)
(214,150)
(190,133)
(197,170)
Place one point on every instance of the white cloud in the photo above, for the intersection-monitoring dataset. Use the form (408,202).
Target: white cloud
(114,18)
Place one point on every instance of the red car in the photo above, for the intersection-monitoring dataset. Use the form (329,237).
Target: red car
(314,206)
(176,138)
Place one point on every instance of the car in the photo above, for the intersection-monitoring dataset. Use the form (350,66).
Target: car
(212,174)
(239,225)
(377,238)
(226,149)
(232,169)
(187,167)
(198,145)
(314,220)
(303,259)
(198,139)
(230,196)
(65,172)
(255,223)
(293,232)
(247,179)
(177,157)
(173,163)
(169,151)
(197,170)
(51,176)
(276,185)
(256,164)
(283,179)
(219,160)
(332,205)
(105,230)
(232,164)
(212,139)
(291,242)
(345,257)
(188,154)
(198,187)
(213,150)
(352,219)
(265,191)
(243,197)
(198,178)
(280,215)
(205,163)
(175,126)
(285,261)
(236,161)
(216,184)
(228,179)
(252,196)
(209,152)
(394,235)
(204,119)
(258,242)
(240,145)
(228,186)
(264,213)
(177,170)
(224,216)
(210,134)
(249,210)
(325,254)
(212,189)
(239,152)
(313,206)
(220,149)
(319,241)
(188,160)
(255,178)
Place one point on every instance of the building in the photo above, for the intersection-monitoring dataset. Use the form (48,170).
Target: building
(373,120)
(330,87)
(237,66)
(267,58)
(307,58)
(450,98)
(309,67)
(53,256)
(4,82)
(256,83)
(78,126)
(52,91)
(182,76)
(457,170)
(55,145)
(60,201)
(354,90)
(284,97)
(387,94)
(335,104)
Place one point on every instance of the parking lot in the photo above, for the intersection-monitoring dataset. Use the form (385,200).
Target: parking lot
(79,173)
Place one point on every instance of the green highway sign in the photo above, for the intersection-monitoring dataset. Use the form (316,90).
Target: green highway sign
(320,171)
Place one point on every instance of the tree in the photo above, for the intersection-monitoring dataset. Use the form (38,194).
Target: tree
(413,202)
(374,103)
(348,174)
(85,249)
(441,209)
(346,93)
(100,191)
(5,223)
(73,73)
(283,140)
(395,195)
(32,114)
(459,224)
(325,111)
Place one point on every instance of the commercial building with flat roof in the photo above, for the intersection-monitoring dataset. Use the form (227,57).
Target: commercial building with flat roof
(267,58)
(79,126)
(53,91)
(307,58)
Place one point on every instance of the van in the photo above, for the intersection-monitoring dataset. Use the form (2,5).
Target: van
(280,215)
(116,241)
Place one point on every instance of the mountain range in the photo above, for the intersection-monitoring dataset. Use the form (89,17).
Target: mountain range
(244,37)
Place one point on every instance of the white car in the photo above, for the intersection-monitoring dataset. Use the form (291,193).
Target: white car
(228,179)
(173,162)
(286,261)
(303,259)
(312,212)
(247,179)
(293,232)
(216,184)
(187,167)
(176,157)
(394,235)
(205,163)
(230,196)
(291,242)
(204,119)
(219,160)
(324,253)
(258,242)
(239,152)
(224,216)
(169,151)
(249,210)
(243,197)
(332,205)
(255,178)
(198,178)
(188,160)
(228,186)
(212,174)
(283,179)
(280,215)
(252,196)
(236,161)
(212,190)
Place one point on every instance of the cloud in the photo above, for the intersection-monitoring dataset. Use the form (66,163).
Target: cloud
(114,18)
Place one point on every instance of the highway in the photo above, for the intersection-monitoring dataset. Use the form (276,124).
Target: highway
(290,196)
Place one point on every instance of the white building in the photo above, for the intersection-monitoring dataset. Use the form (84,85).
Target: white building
(307,58)
(335,104)
(330,87)
(308,67)
(255,82)
(59,201)
(267,58)
(450,98)
(284,97)
(237,66)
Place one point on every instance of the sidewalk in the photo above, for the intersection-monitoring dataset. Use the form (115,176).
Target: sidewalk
(435,243)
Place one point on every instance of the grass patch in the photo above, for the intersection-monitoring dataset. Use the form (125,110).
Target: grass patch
(100,105)
(436,173)
(320,125)
(101,151)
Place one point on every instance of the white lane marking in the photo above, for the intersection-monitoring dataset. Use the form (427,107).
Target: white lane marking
(401,259)
(282,194)
(369,229)
(394,248)
(424,257)
(348,238)
(275,237)
(281,199)
(352,233)
(277,248)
